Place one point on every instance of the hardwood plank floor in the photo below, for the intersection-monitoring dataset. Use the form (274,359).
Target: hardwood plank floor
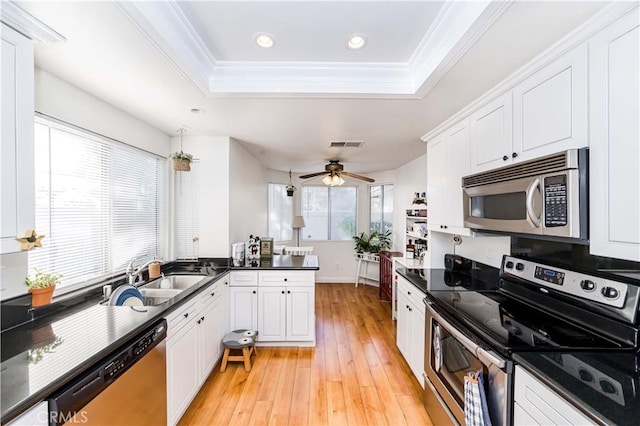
(354,376)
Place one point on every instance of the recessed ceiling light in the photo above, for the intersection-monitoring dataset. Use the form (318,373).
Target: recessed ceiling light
(198,111)
(264,40)
(356,42)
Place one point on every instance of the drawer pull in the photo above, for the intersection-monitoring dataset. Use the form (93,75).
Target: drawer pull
(288,291)
(285,279)
(254,292)
(198,321)
(201,318)
(213,294)
(186,315)
(282,291)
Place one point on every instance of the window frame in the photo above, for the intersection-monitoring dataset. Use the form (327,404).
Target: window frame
(329,188)
(382,216)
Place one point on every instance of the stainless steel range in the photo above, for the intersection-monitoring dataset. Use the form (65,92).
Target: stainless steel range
(534,307)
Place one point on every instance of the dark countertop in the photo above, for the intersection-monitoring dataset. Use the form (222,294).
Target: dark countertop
(604,386)
(75,338)
(308,262)
(440,279)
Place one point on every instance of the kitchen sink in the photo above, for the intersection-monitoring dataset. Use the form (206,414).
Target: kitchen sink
(162,290)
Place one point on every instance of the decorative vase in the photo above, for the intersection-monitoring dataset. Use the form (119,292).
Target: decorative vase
(181,165)
(41,296)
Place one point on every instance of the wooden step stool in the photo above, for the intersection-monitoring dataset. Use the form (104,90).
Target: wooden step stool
(239,339)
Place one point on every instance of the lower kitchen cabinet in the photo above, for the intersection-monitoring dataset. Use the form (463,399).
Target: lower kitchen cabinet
(411,327)
(194,345)
(243,308)
(537,404)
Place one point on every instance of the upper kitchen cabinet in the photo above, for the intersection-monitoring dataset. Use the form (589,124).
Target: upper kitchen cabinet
(614,74)
(550,108)
(492,134)
(16,147)
(447,161)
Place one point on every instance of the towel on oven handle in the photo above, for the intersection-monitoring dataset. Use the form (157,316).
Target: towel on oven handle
(476,412)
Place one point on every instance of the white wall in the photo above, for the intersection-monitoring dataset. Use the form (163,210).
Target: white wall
(66,102)
(248,195)
(213,154)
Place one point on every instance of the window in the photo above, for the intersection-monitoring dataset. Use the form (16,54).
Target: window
(98,202)
(280,212)
(381,208)
(187,218)
(329,212)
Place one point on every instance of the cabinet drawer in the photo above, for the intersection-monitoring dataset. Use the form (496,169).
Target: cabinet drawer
(181,316)
(270,278)
(411,292)
(243,278)
(211,294)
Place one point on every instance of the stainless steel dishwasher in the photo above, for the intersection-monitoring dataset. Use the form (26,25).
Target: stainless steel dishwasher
(126,388)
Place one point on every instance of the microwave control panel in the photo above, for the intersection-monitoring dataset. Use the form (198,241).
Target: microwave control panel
(555,201)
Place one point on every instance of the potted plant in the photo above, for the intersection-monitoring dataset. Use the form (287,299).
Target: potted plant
(181,160)
(290,187)
(373,243)
(41,287)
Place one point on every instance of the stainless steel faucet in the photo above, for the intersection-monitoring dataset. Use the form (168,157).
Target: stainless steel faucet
(133,274)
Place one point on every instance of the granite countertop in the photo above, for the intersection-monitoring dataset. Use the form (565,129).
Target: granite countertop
(41,356)
(281,261)
(442,280)
(604,386)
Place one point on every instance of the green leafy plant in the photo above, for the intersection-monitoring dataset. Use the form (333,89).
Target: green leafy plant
(180,155)
(373,243)
(41,279)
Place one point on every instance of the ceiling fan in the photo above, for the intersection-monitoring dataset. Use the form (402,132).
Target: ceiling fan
(334,172)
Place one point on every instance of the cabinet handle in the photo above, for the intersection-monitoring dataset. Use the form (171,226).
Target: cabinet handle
(285,279)
(514,155)
(282,291)
(505,158)
(226,283)
(186,315)
(409,293)
(254,292)
(407,306)
(410,310)
(201,318)
(198,321)
(288,291)
(213,294)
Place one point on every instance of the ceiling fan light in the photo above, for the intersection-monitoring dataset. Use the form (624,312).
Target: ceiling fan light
(337,180)
(327,180)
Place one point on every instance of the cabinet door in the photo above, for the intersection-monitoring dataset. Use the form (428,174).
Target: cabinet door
(403,327)
(491,134)
(458,165)
(301,318)
(416,341)
(550,108)
(16,146)
(615,148)
(272,313)
(437,160)
(243,308)
(183,380)
(209,339)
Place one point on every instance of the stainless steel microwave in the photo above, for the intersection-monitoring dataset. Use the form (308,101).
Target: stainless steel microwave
(546,197)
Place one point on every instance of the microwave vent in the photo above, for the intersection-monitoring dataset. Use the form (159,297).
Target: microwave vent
(549,164)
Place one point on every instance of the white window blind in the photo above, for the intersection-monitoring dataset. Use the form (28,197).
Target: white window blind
(280,212)
(186,222)
(99,203)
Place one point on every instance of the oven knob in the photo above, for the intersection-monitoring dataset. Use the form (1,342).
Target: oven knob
(520,266)
(607,387)
(610,293)
(585,375)
(588,285)
(509,265)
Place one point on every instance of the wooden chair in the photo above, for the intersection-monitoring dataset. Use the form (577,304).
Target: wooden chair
(298,251)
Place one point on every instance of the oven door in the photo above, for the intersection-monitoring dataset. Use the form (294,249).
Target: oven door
(449,355)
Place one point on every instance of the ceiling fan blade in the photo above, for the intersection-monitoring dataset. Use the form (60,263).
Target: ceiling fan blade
(313,175)
(353,175)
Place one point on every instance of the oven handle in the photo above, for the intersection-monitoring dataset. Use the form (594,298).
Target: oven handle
(530,193)
(486,357)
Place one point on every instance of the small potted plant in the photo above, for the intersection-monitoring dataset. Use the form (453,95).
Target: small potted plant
(181,161)
(362,243)
(41,287)
(373,243)
(290,187)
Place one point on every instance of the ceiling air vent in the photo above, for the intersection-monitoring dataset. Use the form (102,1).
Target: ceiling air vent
(346,144)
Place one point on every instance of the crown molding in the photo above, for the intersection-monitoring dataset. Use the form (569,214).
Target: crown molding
(456,28)
(581,34)
(26,24)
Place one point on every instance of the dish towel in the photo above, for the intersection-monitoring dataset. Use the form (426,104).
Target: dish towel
(476,412)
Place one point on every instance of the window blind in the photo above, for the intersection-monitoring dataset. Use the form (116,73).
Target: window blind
(280,212)
(186,221)
(99,203)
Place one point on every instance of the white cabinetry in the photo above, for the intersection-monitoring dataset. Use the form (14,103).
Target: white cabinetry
(36,415)
(491,129)
(550,108)
(448,161)
(537,404)
(243,306)
(194,345)
(286,306)
(16,146)
(614,156)
(410,326)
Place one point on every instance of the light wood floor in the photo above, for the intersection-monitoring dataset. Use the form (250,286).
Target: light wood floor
(355,375)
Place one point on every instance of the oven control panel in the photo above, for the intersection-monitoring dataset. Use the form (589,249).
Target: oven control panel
(611,293)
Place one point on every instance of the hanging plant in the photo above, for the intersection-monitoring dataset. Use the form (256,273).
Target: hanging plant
(290,187)
(181,160)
